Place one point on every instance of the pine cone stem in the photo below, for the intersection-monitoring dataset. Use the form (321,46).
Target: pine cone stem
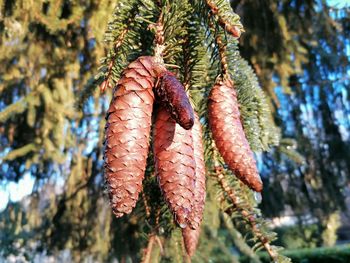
(233,30)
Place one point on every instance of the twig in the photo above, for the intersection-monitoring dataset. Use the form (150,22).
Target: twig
(222,52)
(117,44)
(232,29)
(145,203)
(223,58)
(249,217)
(158,39)
(148,250)
(106,84)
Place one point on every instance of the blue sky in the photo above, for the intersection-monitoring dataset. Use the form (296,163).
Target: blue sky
(339,3)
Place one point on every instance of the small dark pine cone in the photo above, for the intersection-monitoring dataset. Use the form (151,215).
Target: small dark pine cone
(172,95)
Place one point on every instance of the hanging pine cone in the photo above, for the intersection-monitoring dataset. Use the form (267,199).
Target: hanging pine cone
(191,234)
(191,238)
(228,134)
(175,165)
(127,133)
(199,188)
(172,95)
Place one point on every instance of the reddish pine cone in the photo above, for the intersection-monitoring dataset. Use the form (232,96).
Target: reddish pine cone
(175,165)
(191,238)
(191,234)
(172,95)
(199,188)
(228,134)
(127,134)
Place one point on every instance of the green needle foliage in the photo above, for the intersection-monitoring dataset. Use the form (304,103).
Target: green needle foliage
(55,55)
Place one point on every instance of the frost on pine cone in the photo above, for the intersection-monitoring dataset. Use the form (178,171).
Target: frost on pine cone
(228,134)
(127,133)
(172,95)
(191,234)
(175,165)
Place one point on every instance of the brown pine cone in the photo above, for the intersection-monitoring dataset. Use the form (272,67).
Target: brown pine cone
(127,133)
(228,134)
(175,165)
(191,238)
(199,188)
(172,95)
(191,234)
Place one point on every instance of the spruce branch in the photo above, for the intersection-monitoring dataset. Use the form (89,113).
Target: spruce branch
(221,50)
(238,240)
(118,33)
(106,84)
(223,58)
(249,217)
(225,17)
(159,38)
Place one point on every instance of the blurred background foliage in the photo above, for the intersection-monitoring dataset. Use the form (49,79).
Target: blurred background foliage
(52,120)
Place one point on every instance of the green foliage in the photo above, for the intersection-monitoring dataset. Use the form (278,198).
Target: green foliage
(54,54)
(296,237)
(258,123)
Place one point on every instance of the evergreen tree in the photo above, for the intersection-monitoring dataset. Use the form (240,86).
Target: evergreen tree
(55,55)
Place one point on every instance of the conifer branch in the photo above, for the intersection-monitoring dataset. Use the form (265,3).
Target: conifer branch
(106,84)
(234,29)
(152,239)
(114,53)
(249,217)
(159,38)
(223,58)
(238,239)
(222,51)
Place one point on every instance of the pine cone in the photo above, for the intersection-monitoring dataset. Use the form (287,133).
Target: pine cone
(172,95)
(228,134)
(175,165)
(191,234)
(199,188)
(127,134)
(191,238)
